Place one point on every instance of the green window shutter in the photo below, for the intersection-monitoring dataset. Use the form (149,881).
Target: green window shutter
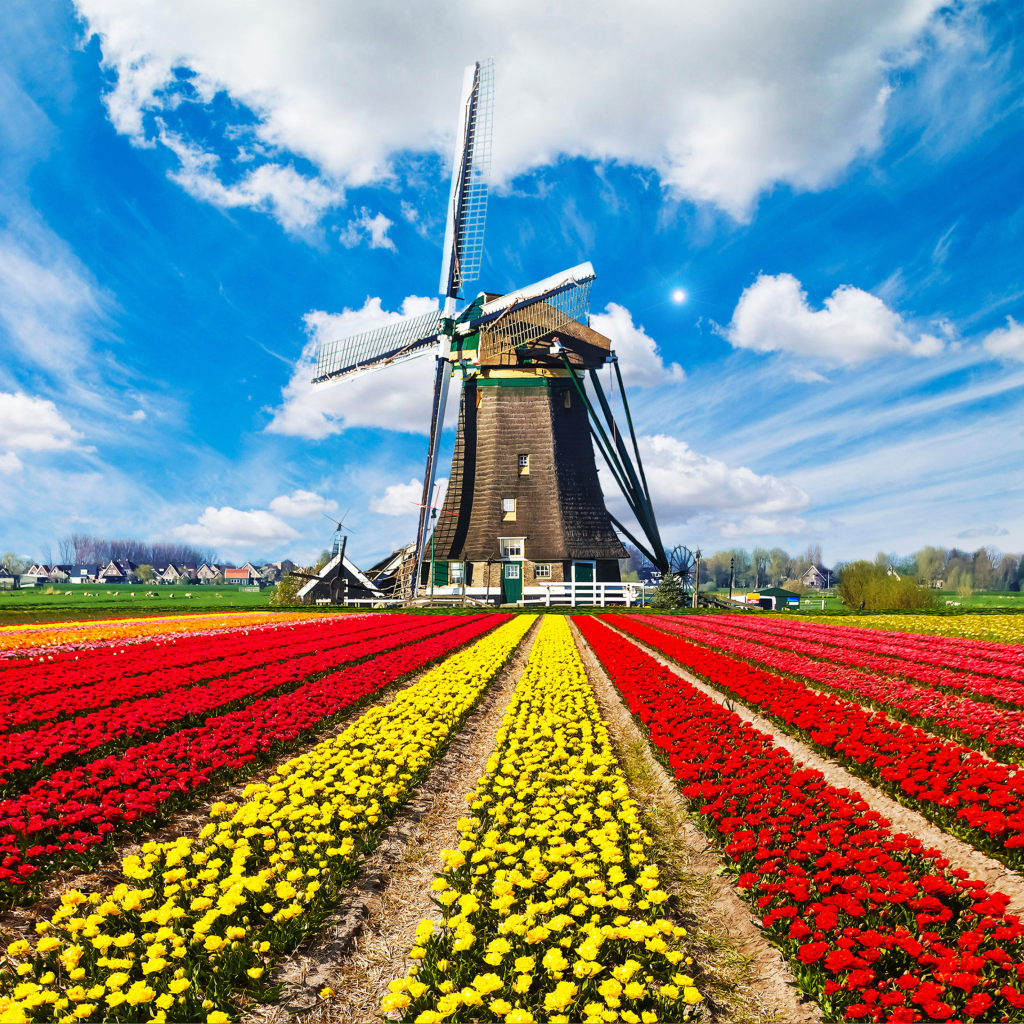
(440,574)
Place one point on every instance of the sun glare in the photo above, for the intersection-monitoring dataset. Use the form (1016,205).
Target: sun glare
(679,295)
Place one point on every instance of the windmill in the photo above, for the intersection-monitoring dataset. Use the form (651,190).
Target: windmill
(521,357)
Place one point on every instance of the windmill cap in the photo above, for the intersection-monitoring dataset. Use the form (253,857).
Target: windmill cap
(574,275)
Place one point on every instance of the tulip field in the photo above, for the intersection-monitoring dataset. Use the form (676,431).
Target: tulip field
(185,801)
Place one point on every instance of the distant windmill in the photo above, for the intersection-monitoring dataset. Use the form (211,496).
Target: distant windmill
(339,542)
(523,475)
(340,578)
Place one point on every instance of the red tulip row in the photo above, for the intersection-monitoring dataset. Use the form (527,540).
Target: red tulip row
(875,927)
(23,678)
(973,655)
(962,791)
(121,683)
(65,820)
(996,689)
(28,756)
(996,731)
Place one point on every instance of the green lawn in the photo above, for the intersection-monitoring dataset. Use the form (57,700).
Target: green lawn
(77,601)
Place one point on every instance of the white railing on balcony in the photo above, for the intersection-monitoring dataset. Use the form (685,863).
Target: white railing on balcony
(574,595)
(548,594)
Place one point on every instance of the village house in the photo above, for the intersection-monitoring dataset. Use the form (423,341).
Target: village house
(247,575)
(207,573)
(83,573)
(36,575)
(818,577)
(119,571)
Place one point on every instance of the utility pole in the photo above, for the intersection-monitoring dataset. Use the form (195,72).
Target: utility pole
(732,575)
(433,530)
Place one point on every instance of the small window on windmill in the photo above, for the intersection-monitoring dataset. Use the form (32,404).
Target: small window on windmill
(508,508)
(542,571)
(567,398)
(524,465)
(511,547)
(458,572)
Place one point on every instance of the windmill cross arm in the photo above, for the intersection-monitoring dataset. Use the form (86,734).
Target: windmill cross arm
(371,350)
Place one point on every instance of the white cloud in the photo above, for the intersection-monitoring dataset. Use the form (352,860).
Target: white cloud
(723,100)
(33,424)
(404,499)
(302,505)
(1007,342)
(376,227)
(684,484)
(10,463)
(805,375)
(296,203)
(761,526)
(773,315)
(232,529)
(639,359)
(139,416)
(395,398)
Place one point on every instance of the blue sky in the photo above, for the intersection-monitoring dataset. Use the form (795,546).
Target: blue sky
(192,194)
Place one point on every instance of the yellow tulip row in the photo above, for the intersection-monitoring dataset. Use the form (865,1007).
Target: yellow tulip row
(1001,629)
(550,907)
(199,922)
(24,636)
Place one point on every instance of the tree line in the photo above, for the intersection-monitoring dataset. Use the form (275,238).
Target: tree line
(750,569)
(957,569)
(87,549)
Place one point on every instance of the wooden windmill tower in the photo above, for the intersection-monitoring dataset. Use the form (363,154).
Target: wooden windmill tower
(524,502)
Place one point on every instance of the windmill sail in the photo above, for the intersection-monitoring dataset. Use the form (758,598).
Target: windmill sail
(384,346)
(467,204)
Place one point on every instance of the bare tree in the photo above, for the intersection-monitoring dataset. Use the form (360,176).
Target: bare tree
(759,560)
(82,547)
(813,554)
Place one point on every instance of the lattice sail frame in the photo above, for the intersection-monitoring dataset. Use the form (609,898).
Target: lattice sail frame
(384,346)
(520,324)
(473,212)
